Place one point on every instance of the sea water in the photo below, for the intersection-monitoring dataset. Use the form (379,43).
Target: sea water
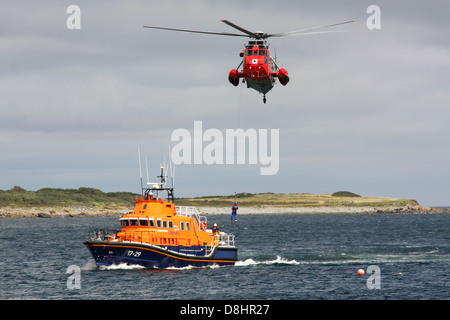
(281,257)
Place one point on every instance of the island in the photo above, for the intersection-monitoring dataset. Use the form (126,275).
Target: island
(54,202)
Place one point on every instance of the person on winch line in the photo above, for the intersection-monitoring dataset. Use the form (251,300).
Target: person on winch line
(234,212)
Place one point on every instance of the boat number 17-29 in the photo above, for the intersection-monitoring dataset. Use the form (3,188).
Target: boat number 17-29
(132,253)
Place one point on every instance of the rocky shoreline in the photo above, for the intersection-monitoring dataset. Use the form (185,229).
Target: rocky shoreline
(79,211)
(322,210)
(59,212)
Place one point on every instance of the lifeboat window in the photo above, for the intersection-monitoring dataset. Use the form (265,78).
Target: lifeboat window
(187,226)
(249,52)
(143,222)
(182,225)
(170,224)
(164,224)
(152,223)
(134,222)
(262,52)
(145,206)
(125,223)
(158,223)
(255,52)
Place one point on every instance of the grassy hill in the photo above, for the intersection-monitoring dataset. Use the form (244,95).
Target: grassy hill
(297,200)
(51,197)
(54,197)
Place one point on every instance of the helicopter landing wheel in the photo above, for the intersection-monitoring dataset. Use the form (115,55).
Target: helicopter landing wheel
(264,99)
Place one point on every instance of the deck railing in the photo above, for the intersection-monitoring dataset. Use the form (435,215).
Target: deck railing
(226,239)
(103,234)
(222,239)
(188,211)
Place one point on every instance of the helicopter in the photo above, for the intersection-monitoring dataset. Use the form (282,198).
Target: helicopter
(259,69)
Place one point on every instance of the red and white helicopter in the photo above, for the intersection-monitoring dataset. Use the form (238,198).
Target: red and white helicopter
(259,69)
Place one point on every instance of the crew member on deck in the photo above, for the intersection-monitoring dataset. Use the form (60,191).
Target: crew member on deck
(215,229)
(234,212)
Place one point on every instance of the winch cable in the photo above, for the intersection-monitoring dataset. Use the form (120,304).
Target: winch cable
(238,127)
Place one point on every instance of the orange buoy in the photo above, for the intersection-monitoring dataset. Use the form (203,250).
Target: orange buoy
(361,272)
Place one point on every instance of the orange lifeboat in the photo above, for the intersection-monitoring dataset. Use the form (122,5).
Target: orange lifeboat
(159,234)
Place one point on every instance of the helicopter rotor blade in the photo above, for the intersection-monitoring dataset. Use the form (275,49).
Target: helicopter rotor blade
(251,34)
(305,31)
(196,31)
(257,35)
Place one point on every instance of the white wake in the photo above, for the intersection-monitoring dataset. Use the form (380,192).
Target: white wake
(278,260)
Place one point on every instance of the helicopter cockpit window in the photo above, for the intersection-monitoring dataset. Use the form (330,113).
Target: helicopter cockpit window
(262,52)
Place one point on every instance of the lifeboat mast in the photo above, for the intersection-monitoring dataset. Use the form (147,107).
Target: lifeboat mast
(155,188)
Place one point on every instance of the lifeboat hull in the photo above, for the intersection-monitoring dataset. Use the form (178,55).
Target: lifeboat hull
(107,253)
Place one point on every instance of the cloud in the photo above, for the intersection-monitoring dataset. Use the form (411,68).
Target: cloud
(364,110)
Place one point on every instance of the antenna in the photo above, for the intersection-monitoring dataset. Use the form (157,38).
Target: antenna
(162,176)
(157,187)
(275,50)
(140,169)
(146,168)
(171,170)
(275,59)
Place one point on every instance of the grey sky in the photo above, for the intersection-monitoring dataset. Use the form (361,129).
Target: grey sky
(365,110)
